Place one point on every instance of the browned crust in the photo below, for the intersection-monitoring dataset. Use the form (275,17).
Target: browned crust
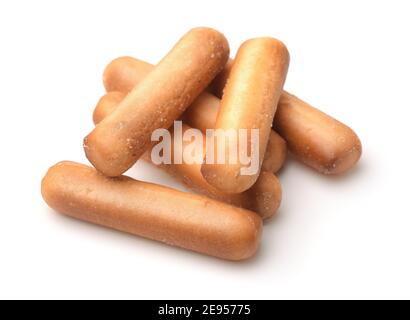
(249,102)
(151,211)
(119,140)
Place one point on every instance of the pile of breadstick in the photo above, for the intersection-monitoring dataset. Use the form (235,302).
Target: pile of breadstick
(197,83)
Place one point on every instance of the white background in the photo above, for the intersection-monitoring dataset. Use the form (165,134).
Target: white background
(344,237)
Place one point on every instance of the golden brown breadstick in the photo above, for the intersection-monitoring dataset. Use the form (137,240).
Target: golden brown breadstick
(314,137)
(263,198)
(202,115)
(124,73)
(176,218)
(120,139)
(106,105)
(249,102)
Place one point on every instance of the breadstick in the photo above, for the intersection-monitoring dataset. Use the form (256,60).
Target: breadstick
(151,211)
(106,105)
(317,139)
(202,115)
(124,73)
(314,137)
(249,102)
(119,140)
(263,198)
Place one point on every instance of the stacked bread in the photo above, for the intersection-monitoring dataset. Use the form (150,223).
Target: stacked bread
(197,84)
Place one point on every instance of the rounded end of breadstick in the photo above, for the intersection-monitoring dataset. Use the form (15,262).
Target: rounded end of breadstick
(106,105)
(243,237)
(123,73)
(47,189)
(208,33)
(276,48)
(275,154)
(111,158)
(220,53)
(346,157)
(51,185)
(333,157)
(228,178)
(266,194)
(315,138)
